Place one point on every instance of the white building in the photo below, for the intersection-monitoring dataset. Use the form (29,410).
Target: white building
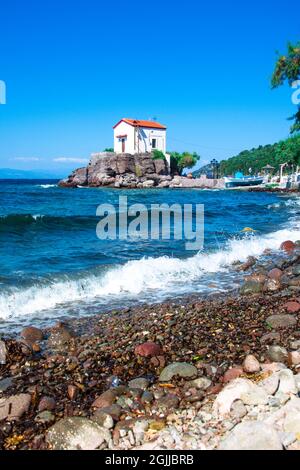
(135,136)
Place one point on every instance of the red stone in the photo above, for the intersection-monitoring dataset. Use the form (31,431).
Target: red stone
(72,391)
(214,389)
(148,349)
(46,403)
(275,273)
(232,373)
(288,245)
(32,334)
(294,358)
(292,307)
(158,361)
(105,399)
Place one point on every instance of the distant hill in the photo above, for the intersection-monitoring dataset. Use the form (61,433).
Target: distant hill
(204,170)
(10,173)
(287,150)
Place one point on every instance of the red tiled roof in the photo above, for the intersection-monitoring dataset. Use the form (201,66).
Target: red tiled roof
(137,122)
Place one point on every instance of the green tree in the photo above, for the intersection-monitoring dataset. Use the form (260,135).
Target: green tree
(287,69)
(180,161)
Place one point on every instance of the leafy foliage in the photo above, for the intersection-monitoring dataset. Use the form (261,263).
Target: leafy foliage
(158,155)
(284,151)
(287,69)
(180,161)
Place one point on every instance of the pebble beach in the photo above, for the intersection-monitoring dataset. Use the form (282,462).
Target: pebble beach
(195,373)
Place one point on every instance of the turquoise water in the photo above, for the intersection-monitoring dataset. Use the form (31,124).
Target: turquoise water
(53,264)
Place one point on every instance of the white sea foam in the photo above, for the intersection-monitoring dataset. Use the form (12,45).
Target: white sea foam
(165,275)
(47,186)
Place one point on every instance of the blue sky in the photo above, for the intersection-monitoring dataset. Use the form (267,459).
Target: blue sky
(73,69)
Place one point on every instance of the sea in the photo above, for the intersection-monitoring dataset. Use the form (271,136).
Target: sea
(53,265)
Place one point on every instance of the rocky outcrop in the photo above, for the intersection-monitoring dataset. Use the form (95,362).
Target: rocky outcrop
(132,171)
(120,171)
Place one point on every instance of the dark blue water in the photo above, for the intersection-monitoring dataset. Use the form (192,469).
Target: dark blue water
(53,264)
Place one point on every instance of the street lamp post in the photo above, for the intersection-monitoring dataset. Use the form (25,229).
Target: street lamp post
(215,168)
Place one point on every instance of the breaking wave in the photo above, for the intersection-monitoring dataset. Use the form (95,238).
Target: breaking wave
(160,276)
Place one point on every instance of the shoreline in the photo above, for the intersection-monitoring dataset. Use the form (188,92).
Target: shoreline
(137,377)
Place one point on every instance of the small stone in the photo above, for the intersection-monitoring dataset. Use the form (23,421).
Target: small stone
(270,338)
(72,391)
(277,354)
(292,307)
(295,344)
(201,383)
(44,417)
(251,287)
(125,402)
(114,411)
(46,404)
(32,334)
(76,433)
(3,353)
(281,321)
(251,364)
(5,384)
(275,273)
(252,435)
(238,409)
(147,397)
(105,399)
(272,285)
(105,420)
(180,369)
(232,374)
(169,402)
(60,337)
(12,408)
(141,383)
(288,246)
(148,349)
(294,358)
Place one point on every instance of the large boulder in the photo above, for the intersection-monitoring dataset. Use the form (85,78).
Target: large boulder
(252,435)
(76,434)
(32,334)
(12,408)
(238,389)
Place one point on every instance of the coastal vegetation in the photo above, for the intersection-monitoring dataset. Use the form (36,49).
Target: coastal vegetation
(180,161)
(287,70)
(158,155)
(287,150)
